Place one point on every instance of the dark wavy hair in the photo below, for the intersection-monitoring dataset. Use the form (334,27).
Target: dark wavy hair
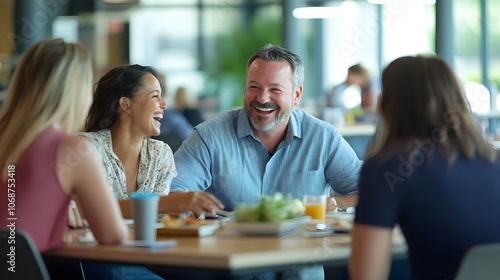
(122,81)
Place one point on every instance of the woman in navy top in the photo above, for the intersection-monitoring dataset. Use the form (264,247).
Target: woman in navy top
(430,170)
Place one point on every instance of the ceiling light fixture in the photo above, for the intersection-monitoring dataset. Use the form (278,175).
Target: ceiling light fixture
(119,1)
(316,12)
(383,2)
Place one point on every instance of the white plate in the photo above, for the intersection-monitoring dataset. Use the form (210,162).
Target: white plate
(87,237)
(268,228)
(310,230)
(340,216)
(341,221)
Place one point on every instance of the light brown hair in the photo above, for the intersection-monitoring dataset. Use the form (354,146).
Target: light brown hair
(422,99)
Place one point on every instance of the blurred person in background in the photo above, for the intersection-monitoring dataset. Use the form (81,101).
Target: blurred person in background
(50,93)
(426,170)
(187,105)
(357,76)
(175,128)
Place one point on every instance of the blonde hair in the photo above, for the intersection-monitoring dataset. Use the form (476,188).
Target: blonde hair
(183,99)
(422,99)
(52,85)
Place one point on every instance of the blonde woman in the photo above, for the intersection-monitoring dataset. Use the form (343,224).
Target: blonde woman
(42,163)
(430,171)
(186,104)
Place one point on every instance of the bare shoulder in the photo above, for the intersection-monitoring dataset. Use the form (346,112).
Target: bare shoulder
(76,155)
(76,146)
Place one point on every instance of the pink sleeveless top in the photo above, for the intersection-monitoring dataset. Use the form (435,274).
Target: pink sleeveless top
(41,205)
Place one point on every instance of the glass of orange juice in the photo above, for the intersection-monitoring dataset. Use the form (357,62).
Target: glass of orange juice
(315,206)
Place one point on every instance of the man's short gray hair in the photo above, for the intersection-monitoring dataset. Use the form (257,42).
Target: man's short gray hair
(277,53)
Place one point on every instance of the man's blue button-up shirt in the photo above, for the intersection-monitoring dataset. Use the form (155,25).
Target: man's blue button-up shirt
(224,157)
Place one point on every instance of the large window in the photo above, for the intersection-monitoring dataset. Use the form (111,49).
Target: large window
(374,35)
(232,33)
(493,22)
(350,39)
(409,29)
(483,98)
(354,37)
(204,45)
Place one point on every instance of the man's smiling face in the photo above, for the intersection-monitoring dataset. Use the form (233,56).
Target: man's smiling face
(269,94)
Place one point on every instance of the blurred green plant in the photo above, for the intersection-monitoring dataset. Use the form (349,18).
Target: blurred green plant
(228,69)
(476,77)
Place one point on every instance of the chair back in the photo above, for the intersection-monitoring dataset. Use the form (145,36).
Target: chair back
(480,262)
(20,258)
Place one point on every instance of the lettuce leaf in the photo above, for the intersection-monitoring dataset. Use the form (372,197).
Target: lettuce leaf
(274,208)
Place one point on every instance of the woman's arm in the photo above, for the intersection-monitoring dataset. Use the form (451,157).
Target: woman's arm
(370,253)
(87,181)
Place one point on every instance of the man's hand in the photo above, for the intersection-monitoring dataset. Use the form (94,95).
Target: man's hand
(331,204)
(197,202)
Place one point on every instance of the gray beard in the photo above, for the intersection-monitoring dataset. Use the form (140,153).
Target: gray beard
(279,118)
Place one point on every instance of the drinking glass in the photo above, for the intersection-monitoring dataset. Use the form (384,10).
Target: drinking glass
(315,206)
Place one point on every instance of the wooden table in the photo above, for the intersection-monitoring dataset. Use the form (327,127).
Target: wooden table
(232,254)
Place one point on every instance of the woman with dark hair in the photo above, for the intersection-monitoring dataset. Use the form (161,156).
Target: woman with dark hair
(426,170)
(126,112)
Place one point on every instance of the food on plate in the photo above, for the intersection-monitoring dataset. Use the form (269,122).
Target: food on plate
(274,208)
(172,221)
(341,224)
